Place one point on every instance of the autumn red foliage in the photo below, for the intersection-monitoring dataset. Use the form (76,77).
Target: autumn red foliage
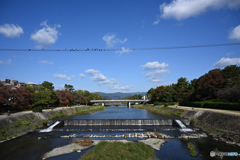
(64,97)
(18,98)
(208,85)
(80,98)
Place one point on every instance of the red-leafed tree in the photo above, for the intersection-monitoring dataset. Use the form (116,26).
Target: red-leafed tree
(64,97)
(79,98)
(207,86)
(18,98)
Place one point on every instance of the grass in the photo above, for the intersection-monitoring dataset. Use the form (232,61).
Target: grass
(161,111)
(191,149)
(120,151)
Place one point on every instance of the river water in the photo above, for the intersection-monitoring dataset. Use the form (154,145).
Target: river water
(31,147)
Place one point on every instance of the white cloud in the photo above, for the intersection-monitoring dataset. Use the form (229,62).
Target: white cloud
(157,75)
(45,62)
(96,76)
(121,87)
(157,21)
(30,83)
(82,75)
(124,50)
(235,33)
(111,83)
(63,76)
(7,62)
(46,36)
(183,9)
(111,40)
(11,30)
(223,62)
(154,65)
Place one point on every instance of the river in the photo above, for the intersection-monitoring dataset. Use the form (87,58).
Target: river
(33,145)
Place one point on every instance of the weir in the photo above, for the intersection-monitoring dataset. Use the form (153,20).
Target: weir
(117,122)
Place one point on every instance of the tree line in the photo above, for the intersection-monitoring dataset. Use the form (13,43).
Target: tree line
(218,84)
(44,95)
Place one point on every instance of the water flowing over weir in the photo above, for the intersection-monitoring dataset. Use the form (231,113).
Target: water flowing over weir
(49,129)
(118,122)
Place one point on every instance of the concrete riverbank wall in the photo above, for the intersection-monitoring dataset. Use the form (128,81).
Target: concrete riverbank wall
(216,124)
(14,126)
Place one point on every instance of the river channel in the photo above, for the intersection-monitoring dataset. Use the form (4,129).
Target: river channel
(31,147)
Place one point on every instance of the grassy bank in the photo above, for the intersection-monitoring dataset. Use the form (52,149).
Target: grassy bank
(78,111)
(166,111)
(20,126)
(119,151)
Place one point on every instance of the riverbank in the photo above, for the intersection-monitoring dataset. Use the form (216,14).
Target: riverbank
(15,126)
(223,127)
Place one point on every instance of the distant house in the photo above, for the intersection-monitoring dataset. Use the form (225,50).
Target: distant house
(17,84)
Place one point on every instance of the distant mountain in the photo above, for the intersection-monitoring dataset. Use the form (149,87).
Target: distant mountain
(119,95)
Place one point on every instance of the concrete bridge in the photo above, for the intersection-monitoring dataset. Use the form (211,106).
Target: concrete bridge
(117,100)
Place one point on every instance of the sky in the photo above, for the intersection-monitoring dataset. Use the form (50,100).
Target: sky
(116,24)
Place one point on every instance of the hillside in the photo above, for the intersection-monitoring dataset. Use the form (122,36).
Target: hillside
(119,95)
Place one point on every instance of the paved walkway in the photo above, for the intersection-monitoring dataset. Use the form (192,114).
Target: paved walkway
(236,113)
(26,112)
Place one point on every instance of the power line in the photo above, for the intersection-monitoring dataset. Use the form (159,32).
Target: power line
(127,49)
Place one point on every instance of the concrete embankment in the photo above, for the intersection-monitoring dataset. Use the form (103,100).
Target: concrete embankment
(223,127)
(14,126)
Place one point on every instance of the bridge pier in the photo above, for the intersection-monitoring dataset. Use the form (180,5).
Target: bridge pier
(129,104)
(103,104)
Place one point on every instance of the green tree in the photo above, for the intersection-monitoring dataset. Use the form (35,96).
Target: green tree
(150,94)
(44,97)
(232,75)
(168,94)
(182,89)
(48,85)
(69,88)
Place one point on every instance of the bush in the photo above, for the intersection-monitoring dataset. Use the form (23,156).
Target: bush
(172,103)
(158,103)
(166,104)
(37,109)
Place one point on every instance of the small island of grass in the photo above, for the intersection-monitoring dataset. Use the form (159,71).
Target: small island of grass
(119,150)
(191,149)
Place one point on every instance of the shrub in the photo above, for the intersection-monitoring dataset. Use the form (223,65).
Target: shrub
(158,103)
(166,104)
(37,109)
(172,103)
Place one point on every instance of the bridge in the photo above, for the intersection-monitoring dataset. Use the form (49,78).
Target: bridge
(118,100)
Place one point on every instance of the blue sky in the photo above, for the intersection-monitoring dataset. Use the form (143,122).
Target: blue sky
(116,24)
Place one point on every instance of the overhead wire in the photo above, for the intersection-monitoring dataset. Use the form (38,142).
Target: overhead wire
(127,49)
